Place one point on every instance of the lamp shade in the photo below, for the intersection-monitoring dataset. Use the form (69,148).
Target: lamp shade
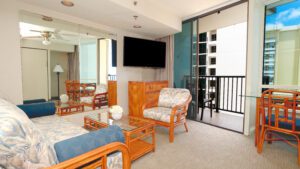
(58,69)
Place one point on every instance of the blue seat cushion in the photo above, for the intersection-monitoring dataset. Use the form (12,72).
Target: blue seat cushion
(284,125)
(76,146)
(38,109)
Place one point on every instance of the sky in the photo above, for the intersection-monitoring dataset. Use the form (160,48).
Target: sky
(286,15)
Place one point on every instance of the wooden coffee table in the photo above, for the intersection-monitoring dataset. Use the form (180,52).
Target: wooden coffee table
(69,108)
(139,133)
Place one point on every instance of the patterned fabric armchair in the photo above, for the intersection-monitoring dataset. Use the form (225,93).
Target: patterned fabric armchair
(170,110)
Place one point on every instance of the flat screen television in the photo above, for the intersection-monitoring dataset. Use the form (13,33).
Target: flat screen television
(144,53)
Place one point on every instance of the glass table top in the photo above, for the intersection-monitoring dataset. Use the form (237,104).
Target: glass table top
(68,104)
(126,123)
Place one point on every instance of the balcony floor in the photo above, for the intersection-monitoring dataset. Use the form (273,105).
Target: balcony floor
(224,119)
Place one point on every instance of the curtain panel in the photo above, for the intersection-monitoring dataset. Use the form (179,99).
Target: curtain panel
(73,59)
(167,72)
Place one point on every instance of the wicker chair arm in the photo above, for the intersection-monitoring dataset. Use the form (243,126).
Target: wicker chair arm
(92,158)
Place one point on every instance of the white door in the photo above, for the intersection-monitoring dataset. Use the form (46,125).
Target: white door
(34,73)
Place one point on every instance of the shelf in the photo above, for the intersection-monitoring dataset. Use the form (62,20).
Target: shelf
(139,148)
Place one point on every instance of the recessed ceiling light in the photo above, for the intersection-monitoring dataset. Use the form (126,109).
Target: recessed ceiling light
(137,26)
(67,3)
(47,18)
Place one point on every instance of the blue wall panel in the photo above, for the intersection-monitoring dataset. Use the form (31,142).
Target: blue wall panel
(182,54)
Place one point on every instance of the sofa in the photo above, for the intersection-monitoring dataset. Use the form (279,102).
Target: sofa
(32,136)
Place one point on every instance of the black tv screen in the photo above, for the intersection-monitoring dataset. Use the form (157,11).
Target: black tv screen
(144,53)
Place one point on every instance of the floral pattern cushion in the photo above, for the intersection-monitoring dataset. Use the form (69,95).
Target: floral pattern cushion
(22,145)
(62,129)
(159,113)
(170,97)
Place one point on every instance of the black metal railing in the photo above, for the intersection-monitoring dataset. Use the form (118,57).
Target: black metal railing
(112,77)
(226,91)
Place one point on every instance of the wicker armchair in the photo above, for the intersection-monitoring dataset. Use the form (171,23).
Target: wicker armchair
(170,110)
(99,99)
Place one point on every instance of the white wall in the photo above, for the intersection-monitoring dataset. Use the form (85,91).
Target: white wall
(125,74)
(254,61)
(10,58)
(231,16)
(231,50)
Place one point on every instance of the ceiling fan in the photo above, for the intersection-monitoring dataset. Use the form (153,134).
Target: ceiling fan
(48,35)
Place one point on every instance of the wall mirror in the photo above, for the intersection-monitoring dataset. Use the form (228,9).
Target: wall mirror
(55,52)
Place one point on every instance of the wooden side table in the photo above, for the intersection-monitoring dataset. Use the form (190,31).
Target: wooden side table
(63,109)
(136,132)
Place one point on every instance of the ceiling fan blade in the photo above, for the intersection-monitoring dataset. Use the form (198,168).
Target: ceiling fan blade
(68,34)
(36,31)
(32,37)
(56,36)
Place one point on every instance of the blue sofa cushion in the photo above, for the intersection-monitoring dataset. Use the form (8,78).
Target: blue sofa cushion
(76,146)
(284,125)
(38,109)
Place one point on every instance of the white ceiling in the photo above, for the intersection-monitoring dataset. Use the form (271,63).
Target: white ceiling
(186,8)
(158,18)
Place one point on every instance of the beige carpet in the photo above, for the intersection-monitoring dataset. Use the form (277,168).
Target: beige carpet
(208,147)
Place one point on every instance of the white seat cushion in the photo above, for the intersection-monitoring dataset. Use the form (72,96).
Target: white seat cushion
(159,113)
(88,99)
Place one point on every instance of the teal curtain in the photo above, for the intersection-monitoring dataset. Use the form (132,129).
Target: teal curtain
(182,55)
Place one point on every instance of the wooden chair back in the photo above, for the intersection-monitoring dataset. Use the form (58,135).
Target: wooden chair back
(87,89)
(100,99)
(73,89)
(279,109)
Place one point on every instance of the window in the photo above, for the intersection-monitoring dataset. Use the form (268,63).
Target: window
(213,49)
(282,44)
(213,37)
(212,83)
(202,48)
(88,62)
(202,71)
(213,61)
(212,71)
(202,59)
(202,37)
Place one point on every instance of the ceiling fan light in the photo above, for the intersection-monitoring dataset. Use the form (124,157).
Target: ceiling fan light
(47,18)
(46,42)
(67,3)
(137,26)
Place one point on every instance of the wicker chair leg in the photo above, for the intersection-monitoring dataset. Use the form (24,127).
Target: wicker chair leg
(269,136)
(171,134)
(298,142)
(186,128)
(262,140)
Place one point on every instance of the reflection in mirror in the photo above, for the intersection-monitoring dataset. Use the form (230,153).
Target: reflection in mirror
(59,57)
(282,44)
